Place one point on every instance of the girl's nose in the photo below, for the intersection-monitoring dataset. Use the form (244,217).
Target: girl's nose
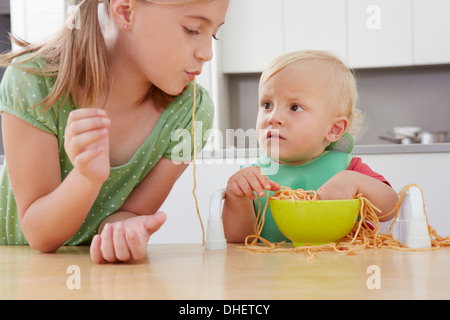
(204,52)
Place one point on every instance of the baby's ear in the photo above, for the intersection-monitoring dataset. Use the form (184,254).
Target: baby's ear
(337,129)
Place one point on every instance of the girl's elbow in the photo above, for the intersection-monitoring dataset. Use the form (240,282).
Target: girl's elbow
(43,246)
(39,240)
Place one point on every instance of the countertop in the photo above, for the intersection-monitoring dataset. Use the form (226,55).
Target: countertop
(358,150)
(401,148)
(188,271)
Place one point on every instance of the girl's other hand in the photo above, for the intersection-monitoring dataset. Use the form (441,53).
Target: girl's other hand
(250,179)
(87,143)
(125,240)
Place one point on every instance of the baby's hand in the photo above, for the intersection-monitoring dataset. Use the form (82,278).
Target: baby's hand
(250,179)
(343,185)
(125,240)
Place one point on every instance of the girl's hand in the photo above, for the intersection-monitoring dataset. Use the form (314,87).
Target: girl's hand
(343,185)
(250,179)
(87,143)
(125,240)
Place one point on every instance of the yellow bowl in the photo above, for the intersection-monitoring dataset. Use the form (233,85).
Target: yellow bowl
(315,222)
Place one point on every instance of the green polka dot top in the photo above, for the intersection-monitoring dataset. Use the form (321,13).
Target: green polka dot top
(170,138)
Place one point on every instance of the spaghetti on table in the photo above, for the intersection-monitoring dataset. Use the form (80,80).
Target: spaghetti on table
(363,236)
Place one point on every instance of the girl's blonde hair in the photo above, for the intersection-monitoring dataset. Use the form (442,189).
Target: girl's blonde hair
(340,75)
(77,57)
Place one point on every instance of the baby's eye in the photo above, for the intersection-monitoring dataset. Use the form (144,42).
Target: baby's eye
(297,108)
(266,105)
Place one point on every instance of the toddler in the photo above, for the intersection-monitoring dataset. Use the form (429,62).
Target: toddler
(307,115)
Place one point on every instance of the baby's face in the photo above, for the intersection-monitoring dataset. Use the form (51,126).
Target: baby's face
(296,112)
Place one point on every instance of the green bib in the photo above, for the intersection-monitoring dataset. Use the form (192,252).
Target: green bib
(308,176)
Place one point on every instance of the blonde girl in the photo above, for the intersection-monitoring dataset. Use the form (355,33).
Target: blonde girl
(88,119)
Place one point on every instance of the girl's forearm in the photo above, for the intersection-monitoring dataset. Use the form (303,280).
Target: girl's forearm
(53,219)
(116,217)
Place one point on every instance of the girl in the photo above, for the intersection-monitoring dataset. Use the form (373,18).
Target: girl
(87,121)
(307,112)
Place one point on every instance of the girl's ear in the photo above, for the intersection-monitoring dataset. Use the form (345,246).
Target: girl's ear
(337,129)
(122,12)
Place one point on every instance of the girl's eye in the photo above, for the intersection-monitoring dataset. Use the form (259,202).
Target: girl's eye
(196,33)
(297,108)
(191,32)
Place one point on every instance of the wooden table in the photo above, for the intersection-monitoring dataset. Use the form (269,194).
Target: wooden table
(190,272)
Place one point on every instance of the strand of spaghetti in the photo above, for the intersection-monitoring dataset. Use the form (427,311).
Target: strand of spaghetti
(361,237)
(194,161)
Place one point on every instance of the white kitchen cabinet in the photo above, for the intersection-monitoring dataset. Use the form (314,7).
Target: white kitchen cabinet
(379,33)
(363,33)
(35,21)
(318,24)
(252,35)
(431,31)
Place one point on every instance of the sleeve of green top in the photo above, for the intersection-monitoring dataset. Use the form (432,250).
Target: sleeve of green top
(20,91)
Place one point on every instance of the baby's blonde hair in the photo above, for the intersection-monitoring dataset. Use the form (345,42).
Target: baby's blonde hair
(340,75)
(78,57)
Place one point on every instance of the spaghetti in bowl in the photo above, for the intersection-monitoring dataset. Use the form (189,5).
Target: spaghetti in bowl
(315,222)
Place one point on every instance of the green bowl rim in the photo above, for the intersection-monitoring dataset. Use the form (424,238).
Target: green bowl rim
(311,201)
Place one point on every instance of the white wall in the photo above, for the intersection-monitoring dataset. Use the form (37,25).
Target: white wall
(428,170)
(182,225)
(35,21)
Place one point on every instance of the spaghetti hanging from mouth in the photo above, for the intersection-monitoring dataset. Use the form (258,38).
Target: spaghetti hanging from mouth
(194,160)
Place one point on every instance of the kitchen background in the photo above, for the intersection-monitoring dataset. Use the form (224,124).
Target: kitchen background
(398,49)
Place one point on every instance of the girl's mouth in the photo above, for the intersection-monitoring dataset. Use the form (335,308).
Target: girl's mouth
(192,75)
